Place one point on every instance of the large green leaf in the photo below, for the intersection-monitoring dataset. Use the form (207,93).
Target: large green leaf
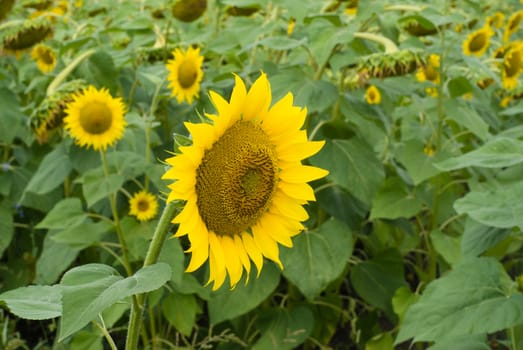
(6,226)
(500,208)
(97,186)
(227,304)
(53,170)
(89,289)
(12,116)
(284,328)
(477,238)
(34,302)
(180,310)
(467,117)
(498,153)
(467,342)
(377,279)
(54,259)
(353,165)
(476,297)
(419,164)
(84,234)
(394,200)
(66,213)
(318,257)
(447,246)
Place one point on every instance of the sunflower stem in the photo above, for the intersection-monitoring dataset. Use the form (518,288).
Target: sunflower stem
(388,44)
(137,309)
(51,89)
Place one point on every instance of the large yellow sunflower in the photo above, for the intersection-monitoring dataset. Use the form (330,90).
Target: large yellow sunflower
(185,74)
(243,181)
(95,119)
(45,58)
(511,68)
(143,205)
(478,42)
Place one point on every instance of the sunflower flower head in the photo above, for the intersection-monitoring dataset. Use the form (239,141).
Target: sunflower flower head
(45,57)
(496,20)
(351,8)
(393,64)
(478,42)
(26,35)
(188,10)
(95,119)
(511,67)
(243,182)
(185,74)
(512,25)
(373,95)
(143,205)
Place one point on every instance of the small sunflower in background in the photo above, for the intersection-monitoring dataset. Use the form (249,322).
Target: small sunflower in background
(243,181)
(512,25)
(290,26)
(45,58)
(188,10)
(185,74)
(95,119)
(496,20)
(511,67)
(478,42)
(373,95)
(430,72)
(143,205)
(352,8)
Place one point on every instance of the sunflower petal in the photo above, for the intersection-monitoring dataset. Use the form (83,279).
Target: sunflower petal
(302,173)
(258,98)
(266,245)
(242,254)
(300,191)
(299,151)
(272,225)
(288,207)
(253,251)
(218,270)
(232,260)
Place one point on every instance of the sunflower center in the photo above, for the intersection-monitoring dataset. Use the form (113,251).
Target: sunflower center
(46,57)
(512,63)
(478,42)
(96,118)
(431,73)
(236,179)
(143,205)
(187,74)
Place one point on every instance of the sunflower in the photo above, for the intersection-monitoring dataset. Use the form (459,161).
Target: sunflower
(496,20)
(185,74)
(512,25)
(430,72)
(45,58)
(143,205)
(94,118)
(372,95)
(188,10)
(352,8)
(511,67)
(477,42)
(26,35)
(290,26)
(243,181)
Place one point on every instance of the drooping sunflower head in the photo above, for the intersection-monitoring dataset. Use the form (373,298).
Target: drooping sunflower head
(477,42)
(26,35)
(393,64)
(372,95)
(143,205)
(45,58)
(95,119)
(512,25)
(511,68)
(185,74)
(243,181)
(189,10)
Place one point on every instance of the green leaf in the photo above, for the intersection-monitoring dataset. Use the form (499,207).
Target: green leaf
(34,302)
(464,115)
(66,213)
(467,342)
(180,310)
(12,116)
(382,341)
(498,153)
(376,280)
(7,227)
(84,234)
(403,298)
(90,289)
(419,165)
(447,246)
(172,254)
(394,200)
(478,238)
(284,328)
(500,208)
(318,257)
(54,260)
(477,295)
(281,43)
(459,86)
(352,165)
(227,304)
(85,340)
(51,173)
(102,71)
(97,186)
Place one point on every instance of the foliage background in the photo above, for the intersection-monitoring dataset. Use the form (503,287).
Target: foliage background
(416,232)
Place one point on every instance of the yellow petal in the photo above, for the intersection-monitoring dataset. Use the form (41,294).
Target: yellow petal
(232,260)
(198,257)
(258,98)
(242,254)
(273,226)
(288,207)
(239,92)
(222,106)
(266,244)
(299,151)
(284,117)
(300,191)
(182,189)
(202,134)
(302,173)
(253,251)
(217,267)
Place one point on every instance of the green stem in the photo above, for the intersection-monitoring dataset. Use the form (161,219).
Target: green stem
(135,319)
(513,338)
(388,44)
(67,70)
(116,219)
(106,335)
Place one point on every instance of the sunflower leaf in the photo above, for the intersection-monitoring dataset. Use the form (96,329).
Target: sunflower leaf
(34,302)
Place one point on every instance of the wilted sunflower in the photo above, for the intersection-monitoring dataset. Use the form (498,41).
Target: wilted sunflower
(45,58)
(143,205)
(95,119)
(24,36)
(185,74)
(477,42)
(243,181)
(372,95)
(512,25)
(511,68)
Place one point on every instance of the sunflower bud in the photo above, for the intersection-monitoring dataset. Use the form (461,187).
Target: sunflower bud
(189,10)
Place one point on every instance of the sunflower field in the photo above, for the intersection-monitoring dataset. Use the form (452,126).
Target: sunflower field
(261,174)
